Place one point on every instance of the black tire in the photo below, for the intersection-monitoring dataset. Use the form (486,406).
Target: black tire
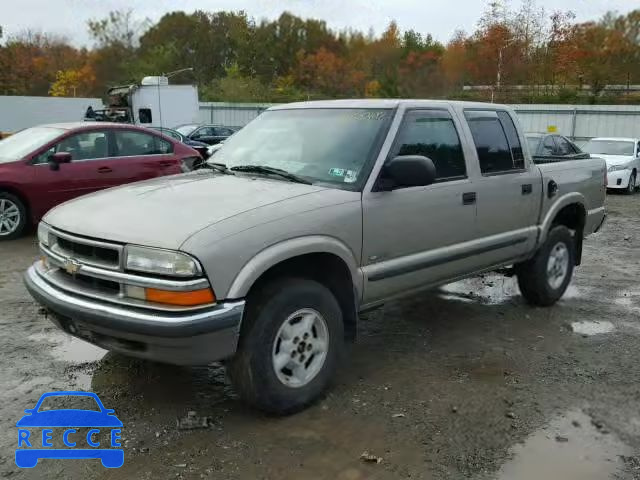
(631,189)
(22,222)
(251,370)
(533,278)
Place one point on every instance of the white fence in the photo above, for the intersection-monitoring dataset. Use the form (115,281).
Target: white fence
(17,113)
(576,121)
(230,114)
(582,121)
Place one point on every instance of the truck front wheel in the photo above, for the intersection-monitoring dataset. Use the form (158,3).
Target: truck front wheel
(545,278)
(291,342)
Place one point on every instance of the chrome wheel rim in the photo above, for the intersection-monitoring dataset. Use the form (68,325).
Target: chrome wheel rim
(557,265)
(9,217)
(300,348)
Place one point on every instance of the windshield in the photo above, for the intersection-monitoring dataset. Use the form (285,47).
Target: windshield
(26,141)
(186,130)
(324,145)
(609,147)
(533,144)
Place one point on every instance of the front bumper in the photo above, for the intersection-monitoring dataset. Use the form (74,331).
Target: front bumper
(618,179)
(196,337)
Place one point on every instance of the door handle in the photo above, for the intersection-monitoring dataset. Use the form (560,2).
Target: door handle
(469,198)
(104,170)
(166,163)
(527,188)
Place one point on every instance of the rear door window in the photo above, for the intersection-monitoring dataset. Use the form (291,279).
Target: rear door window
(495,153)
(130,143)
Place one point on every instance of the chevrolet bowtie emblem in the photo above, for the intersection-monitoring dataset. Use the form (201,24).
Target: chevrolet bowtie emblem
(71,266)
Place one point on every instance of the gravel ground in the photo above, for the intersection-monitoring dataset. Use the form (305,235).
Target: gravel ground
(463,382)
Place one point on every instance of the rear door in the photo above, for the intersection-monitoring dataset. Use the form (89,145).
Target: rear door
(509,188)
(87,172)
(139,155)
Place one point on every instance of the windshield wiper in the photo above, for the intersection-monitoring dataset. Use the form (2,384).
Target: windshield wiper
(219,167)
(270,171)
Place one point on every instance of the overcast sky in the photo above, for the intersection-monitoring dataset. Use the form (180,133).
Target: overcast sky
(438,17)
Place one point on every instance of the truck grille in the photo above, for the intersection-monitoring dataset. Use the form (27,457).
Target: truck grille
(95,269)
(87,251)
(93,283)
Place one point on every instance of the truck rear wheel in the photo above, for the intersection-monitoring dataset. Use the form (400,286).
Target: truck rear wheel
(544,279)
(291,342)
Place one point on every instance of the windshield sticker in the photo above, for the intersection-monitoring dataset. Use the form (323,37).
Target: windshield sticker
(369,115)
(337,172)
(350,176)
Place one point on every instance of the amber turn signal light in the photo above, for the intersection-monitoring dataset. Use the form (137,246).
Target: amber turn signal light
(183,299)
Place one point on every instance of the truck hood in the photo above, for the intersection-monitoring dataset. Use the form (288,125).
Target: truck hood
(164,212)
(615,159)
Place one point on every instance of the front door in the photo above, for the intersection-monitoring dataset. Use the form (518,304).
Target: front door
(87,172)
(416,236)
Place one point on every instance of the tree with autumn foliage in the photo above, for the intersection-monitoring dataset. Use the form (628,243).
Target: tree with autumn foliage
(515,54)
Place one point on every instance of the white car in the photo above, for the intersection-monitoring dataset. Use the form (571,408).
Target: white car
(623,160)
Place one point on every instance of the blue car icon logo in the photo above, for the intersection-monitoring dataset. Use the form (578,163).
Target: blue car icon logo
(63,424)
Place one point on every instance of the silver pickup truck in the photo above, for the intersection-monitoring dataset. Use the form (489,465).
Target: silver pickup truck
(312,213)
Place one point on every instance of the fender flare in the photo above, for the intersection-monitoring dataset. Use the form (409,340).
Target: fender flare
(565,200)
(288,249)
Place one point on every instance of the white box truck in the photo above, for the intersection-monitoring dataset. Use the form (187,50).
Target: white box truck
(152,103)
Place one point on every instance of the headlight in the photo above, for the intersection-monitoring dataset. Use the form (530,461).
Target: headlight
(161,262)
(43,234)
(615,168)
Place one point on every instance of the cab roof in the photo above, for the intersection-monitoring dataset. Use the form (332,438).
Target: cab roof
(385,103)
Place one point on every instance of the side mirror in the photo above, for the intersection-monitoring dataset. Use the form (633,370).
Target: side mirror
(58,158)
(407,171)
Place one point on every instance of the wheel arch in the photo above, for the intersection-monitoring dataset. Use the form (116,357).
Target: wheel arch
(324,259)
(569,207)
(571,212)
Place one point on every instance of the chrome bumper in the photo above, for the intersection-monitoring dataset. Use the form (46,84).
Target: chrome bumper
(195,337)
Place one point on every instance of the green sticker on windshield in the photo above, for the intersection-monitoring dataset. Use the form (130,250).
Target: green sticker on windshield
(337,172)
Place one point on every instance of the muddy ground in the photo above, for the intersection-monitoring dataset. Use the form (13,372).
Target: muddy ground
(465,382)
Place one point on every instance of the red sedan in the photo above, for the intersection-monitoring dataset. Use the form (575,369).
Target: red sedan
(41,167)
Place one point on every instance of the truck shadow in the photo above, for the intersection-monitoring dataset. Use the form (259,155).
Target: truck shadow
(476,320)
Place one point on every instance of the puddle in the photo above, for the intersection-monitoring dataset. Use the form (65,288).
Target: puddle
(69,349)
(569,448)
(493,289)
(592,328)
(490,289)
